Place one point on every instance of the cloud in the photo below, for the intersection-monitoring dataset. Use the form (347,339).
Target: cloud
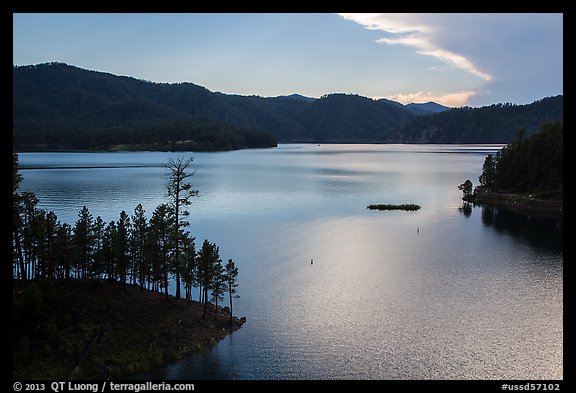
(391,23)
(407,29)
(456,99)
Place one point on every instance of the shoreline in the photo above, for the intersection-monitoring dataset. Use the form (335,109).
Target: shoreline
(94,329)
(137,148)
(521,204)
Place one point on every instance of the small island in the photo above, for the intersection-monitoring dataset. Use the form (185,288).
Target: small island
(388,206)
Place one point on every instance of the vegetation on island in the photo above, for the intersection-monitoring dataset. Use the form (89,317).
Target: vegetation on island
(54,262)
(58,106)
(526,175)
(387,206)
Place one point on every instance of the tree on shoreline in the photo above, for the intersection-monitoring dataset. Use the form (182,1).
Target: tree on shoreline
(466,188)
(122,247)
(161,231)
(528,165)
(208,260)
(83,241)
(108,247)
(189,266)
(16,219)
(231,280)
(218,285)
(128,251)
(138,243)
(51,221)
(98,230)
(179,192)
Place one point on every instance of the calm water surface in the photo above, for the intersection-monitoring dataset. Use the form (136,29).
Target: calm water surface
(445,292)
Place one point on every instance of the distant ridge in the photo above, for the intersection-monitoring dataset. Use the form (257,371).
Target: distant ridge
(57,105)
(497,123)
(426,108)
(298,97)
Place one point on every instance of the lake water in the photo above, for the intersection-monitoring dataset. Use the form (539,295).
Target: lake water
(444,292)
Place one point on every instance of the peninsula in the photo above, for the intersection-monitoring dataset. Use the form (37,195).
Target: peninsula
(525,176)
(95,329)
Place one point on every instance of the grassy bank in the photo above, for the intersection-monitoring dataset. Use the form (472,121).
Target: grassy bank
(92,329)
(535,205)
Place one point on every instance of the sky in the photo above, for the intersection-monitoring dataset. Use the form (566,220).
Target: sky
(453,59)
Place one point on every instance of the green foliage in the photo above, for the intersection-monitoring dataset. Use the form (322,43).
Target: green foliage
(466,187)
(57,320)
(496,123)
(121,331)
(16,176)
(189,266)
(58,106)
(179,193)
(128,251)
(122,246)
(488,176)
(161,231)
(63,107)
(231,281)
(527,165)
(218,285)
(83,242)
(138,237)
(351,118)
(404,206)
(209,270)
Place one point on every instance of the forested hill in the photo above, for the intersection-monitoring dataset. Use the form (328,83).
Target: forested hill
(499,123)
(61,106)
(56,103)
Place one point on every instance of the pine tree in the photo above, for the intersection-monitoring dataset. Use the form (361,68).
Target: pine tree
(188,266)
(208,259)
(487,178)
(161,230)
(99,264)
(138,242)
(51,230)
(180,194)
(466,188)
(108,250)
(63,250)
(17,219)
(231,280)
(29,224)
(84,241)
(217,285)
(122,247)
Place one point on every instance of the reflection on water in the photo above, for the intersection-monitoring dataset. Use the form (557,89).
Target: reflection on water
(542,232)
(446,292)
(466,209)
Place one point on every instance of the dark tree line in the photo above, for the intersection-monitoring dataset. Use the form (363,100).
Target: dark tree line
(56,105)
(141,133)
(531,164)
(131,250)
(489,124)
